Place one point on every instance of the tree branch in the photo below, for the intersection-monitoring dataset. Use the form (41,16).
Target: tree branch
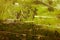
(40,2)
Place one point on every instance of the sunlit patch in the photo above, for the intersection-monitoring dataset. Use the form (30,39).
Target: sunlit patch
(17,4)
(43,25)
(23,34)
(58,27)
(23,0)
(28,21)
(53,0)
(57,6)
(44,16)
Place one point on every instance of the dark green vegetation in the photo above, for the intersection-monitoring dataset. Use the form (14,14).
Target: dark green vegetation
(27,31)
(29,19)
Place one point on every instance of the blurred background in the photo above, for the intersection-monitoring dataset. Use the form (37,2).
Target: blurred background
(29,19)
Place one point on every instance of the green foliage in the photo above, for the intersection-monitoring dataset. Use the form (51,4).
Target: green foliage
(42,12)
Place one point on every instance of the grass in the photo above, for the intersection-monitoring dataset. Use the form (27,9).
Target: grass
(46,24)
